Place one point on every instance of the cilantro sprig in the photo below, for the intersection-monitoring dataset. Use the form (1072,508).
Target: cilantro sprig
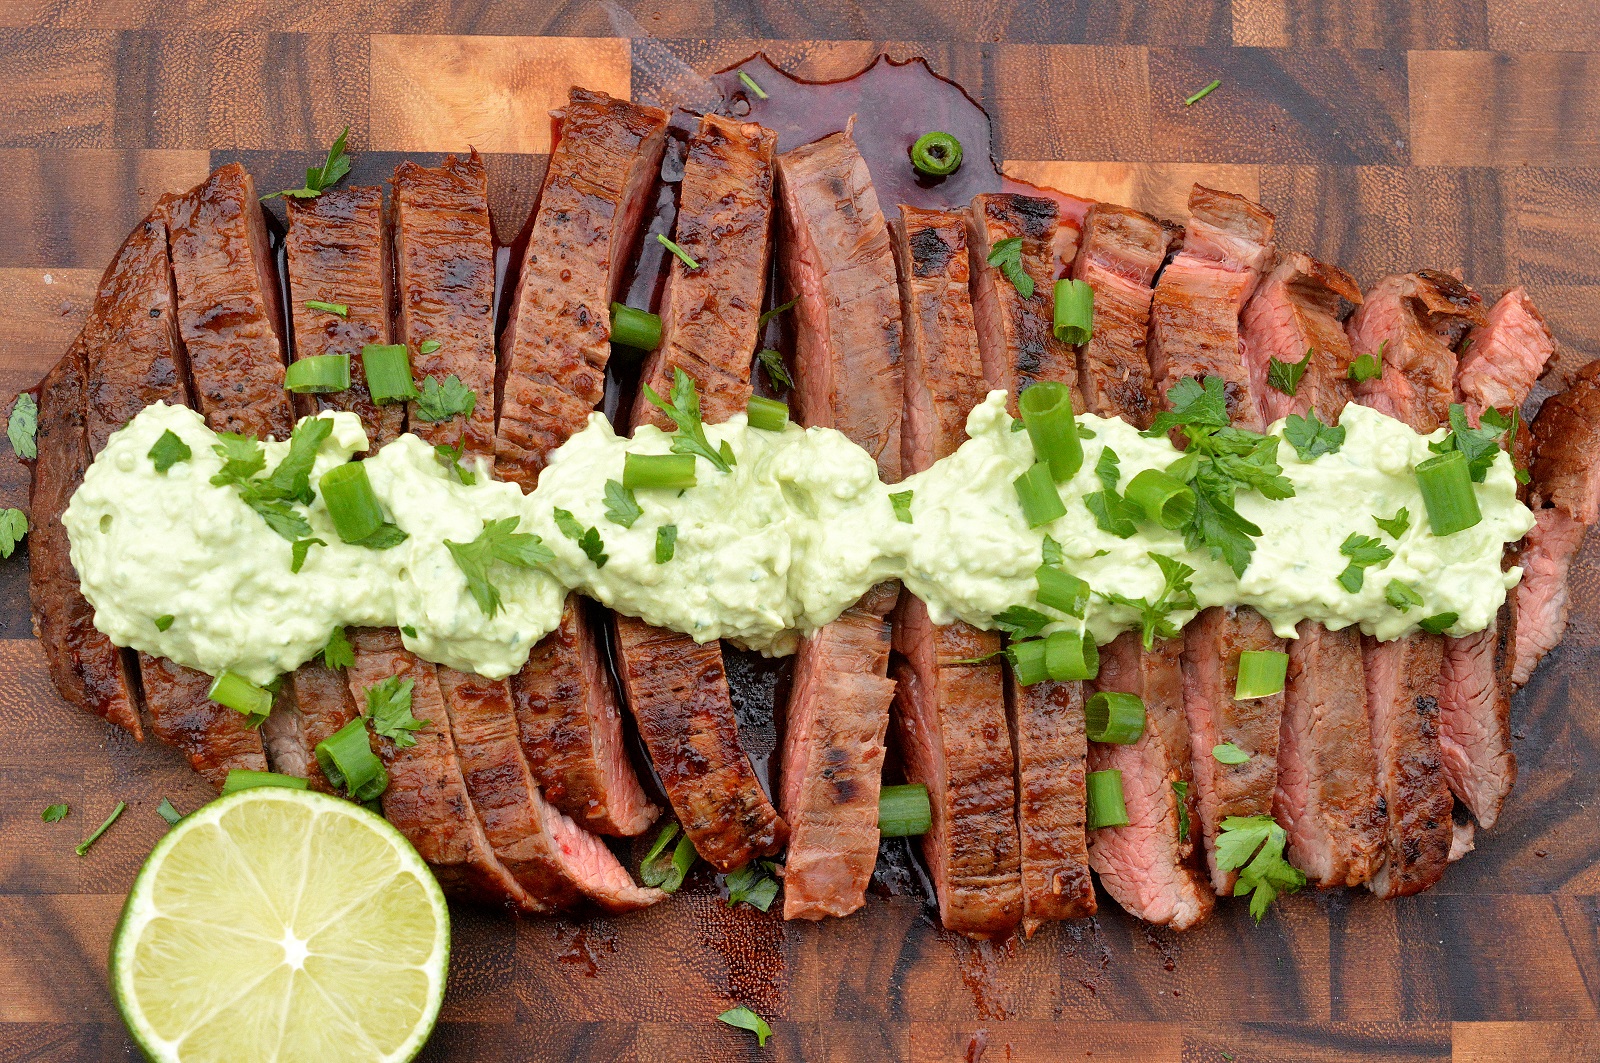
(1479,445)
(389,711)
(1112,513)
(274,497)
(1253,846)
(440,402)
(168,451)
(22,427)
(1285,376)
(1177,594)
(1364,552)
(1365,367)
(1310,438)
(13,527)
(684,409)
(498,542)
(588,539)
(1007,256)
(622,505)
(321,178)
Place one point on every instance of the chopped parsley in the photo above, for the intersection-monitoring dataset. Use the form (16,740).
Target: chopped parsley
(164,622)
(1438,623)
(752,884)
(13,527)
(901,500)
(684,409)
(1285,376)
(499,541)
(1019,621)
(663,870)
(298,552)
(1112,513)
(622,506)
(408,631)
(1051,553)
(1401,595)
(1396,525)
(389,711)
(744,1019)
(768,315)
(1310,438)
(1363,551)
(1365,367)
(440,402)
(1228,753)
(274,497)
(450,458)
(772,362)
(1007,256)
(168,451)
(1253,846)
(1181,789)
(588,539)
(22,427)
(666,543)
(1479,445)
(321,178)
(54,813)
(428,346)
(1177,594)
(338,653)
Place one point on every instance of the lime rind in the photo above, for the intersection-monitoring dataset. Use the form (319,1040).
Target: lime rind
(345,892)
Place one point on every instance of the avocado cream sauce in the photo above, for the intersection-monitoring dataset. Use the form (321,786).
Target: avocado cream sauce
(795,532)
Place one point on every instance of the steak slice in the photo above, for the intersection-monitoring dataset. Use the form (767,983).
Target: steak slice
(1047,730)
(1327,798)
(571,730)
(1014,333)
(1297,315)
(1122,250)
(1566,475)
(1212,644)
(322,697)
(337,252)
(837,260)
(87,670)
(1501,359)
(725,224)
(557,338)
(1542,598)
(1194,313)
(215,738)
(1415,320)
(444,272)
(229,312)
(1148,866)
(951,725)
(833,748)
(680,702)
(427,798)
(559,863)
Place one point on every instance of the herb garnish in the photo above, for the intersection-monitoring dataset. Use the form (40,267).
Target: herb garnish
(666,871)
(1203,93)
(13,526)
(622,506)
(428,346)
(1051,553)
(772,362)
(1396,525)
(1112,513)
(901,501)
(1228,753)
(298,552)
(1253,845)
(499,541)
(450,456)
(1438,623)
(1285,376)
(168,451)
(750,83)
(761,322)
(337,309)
(684,409)
(440,402)
(169,812)
(1310,438)
(588,539)
(752,884)
(273,497)
(683,256)
(338,653)
(164,622)
(1176,595)
(1480,445)
(1181,788)
(23,426)
(83,846)
(1401,595)
(1007,255)
(1365,367)
(389,711)
(744,1019)
(1019,621)
(55,813)
(321,178)
(1363,552)
(666,543)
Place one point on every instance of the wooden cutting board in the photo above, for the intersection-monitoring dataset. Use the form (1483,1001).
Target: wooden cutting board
(1459,134)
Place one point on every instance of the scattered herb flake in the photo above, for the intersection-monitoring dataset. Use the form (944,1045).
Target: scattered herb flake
(169,812)
(683,256)
(1181,789)
(1253,845)
(1401,595)
(55,813)
(321,178)
(298,552)
(1285,376)
(337,309)
(1228,753)
(440,402)
(1396,525)
(1007,255)
(1363,551)
(168,451)
(1177,594)
(164,622)
(13,527)
(498,541)
(750,83)
(1310,438)
(622,506)
(745,1019)
(450,458)
(901,501)
(428,346)
(338,653)
(1051,553)
(116,813)
(684,409)
(752,884)
(1019,621)
(23,426)
(389,711)
(1365,367)
(761,322)
(1190,101)
(1438,623)
(1112,513)
(666,543)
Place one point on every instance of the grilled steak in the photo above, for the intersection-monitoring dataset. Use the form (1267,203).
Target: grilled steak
(228,305)
(1298,314)
(1327,798)
(444,273)
(680,701)
(833,760)
(558,337)
(1212,644)
(1542,597)
(323,699)
(837,260)
(1502,358)
(1414,321)
(710,313)
(338,252)
(1148,866)
(427,798)
(215,738)
(1122,250)
(1046,722)
(1014,333)
(571,730)
(87,670)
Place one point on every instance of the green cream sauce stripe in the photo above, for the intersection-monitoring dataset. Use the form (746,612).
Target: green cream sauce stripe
(779,545)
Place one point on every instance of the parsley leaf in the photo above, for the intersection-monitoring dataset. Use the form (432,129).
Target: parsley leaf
(164,622)
(901,500)
(1510,426)
(622,507)
(54,813)
(1365,367)
(23,426)
(321,178)
(1363,551)
(1285,376)
(13,526)
(1480,445)
(684,409)
(1310,438)
(1228,753)
(1007,255)
(772,362)
(1177,594)
(1438,623)
(274,496)
(588,539)
(663,871)
(1396,525)
(1203,405)
(389,711)
(1021,622)
(744,1019)
(666,543)
(1181,788)
(440,402)
(338,653)
(499,541)
(408,631)
(168,451)
(1401,595)
(450,456)
(428,346)
(1112,513)
(337,309)
(1052,551)
(386,537)
(761,322)
(1253,845)
(752,884)
(299,550)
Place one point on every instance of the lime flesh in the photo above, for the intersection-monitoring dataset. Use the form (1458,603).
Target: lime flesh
(280,925)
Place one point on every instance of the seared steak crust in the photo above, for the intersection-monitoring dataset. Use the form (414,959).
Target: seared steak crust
(1298,314)
(1122,250)
(1415,320)
(323,699)
(1501,359)
(1047,730)
(1566,475)
(1542,598)
(214,737)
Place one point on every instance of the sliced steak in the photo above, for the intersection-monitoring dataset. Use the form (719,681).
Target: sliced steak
(444,275)
(1148,866)
(337,251)
(87,670)
(1194,313)
(558,337)
(1415,320)
(229,312)
(1014,333)
(1047,731)
(680,702)
(571,730)
(283,738)
(710,313)
(322,697)
(1297,315)
(838,262)
(1542,598)
(559,863)
(1566,475)
(1212,644)
(1327,798)
(1122,250)
(1501,358)
(833,748)
(427,798)
(215,738)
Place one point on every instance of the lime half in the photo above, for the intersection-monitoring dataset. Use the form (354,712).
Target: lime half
(280,925)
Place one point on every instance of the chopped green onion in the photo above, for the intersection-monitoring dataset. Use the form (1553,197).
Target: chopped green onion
(1062,590)
(1074,311)
(1261,674)
(1446,484)
(1106,808)
(1070,656)
(319,374)
(936,154)
(169,812)
(1203,93)
(351,501)
(769,415)
(674,471)
(239,694)
(1165,499)
(1041,502)
(346,758)
(904,811)
(338,309)
(1114,717)
(1028,662)
(239,779)
(638,329)
(83,846)
(1046,410)
(388,370)
(750,83)
(683,256)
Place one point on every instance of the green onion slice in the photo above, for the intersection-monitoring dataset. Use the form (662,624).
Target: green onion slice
(319,374)
(239,779)
(1074,311)
(1046,409)
(241,695)
(1446,484)
(116,813)
(1062,590)
(1028,662)
(351,501)
(638,329)
(1105,805)
(347,759)
(936,154)
(769,415)
(1261,674)
(1041,502)
(904,811)
(1164,498)
(388,370)
(339,309)
(674,471)
(1070,656)
(1114,717)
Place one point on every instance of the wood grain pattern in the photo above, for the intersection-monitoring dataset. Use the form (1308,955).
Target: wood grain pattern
(1460,134)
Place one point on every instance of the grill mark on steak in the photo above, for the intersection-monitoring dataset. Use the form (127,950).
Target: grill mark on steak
(1298,314)
(557,338)
(444,270)
(86,669)
(680,701)
(1047,732)
(1149,866)
(228,306)
(1122,250)
(323,700)
(1416,319)
(837,260)
(338,251)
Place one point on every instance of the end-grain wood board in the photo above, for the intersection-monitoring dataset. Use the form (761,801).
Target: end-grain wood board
(1459,134)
